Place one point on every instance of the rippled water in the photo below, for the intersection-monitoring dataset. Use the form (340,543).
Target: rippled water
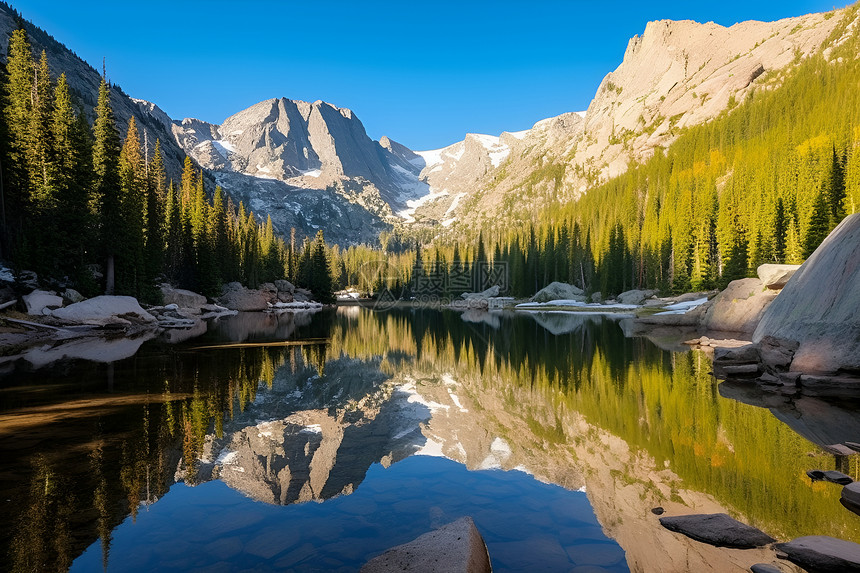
(313,442)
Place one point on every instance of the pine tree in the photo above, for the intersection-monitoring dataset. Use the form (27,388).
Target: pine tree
(322,282)
(106,199)
(131,264)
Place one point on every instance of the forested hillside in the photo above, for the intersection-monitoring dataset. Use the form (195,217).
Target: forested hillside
(765,181)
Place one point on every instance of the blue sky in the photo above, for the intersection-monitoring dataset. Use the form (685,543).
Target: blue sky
(423,73)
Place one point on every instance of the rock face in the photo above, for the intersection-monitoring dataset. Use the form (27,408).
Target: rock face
(675,74)
(453,548)
(740,307)
(823,554)
(558,291)
(817,309)
(776,276)
(105,310)
(39,300)
(717,529)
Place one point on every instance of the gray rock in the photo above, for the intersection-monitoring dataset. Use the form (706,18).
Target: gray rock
(236,297)
(285,286)
(717,529)
(822,554)
(268,287)
(739,307)
(285,297)
(456,547)
(776,276)
(832,476)
(302,295)
(28,279)
(739,355)
(490,292)
(851,494)
(105,310)
(818,307)
(597,297)
(776,353)
(39,300)
(182,298)
(635,296)
(558,291)
(71,296)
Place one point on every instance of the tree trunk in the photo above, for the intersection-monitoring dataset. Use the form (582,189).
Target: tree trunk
(109,276)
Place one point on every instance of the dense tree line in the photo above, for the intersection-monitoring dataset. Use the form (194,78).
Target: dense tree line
(75,199)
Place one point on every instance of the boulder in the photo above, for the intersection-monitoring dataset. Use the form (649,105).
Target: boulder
(717,529)
(822,554)
(39,300)
(558,291)
(236,297)
(71,296)
(817,309)
(285,286)
(597,297)
(635,296)
(490,292)
(182,298)
(284,296)
(104,310)
(302,295)
(456,547)
(775,276)
(268,287)
(740,307)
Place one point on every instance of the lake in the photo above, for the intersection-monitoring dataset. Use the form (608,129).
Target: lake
(314,442)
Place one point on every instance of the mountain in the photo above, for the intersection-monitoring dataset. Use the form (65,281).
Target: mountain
(675,75)
(308,165)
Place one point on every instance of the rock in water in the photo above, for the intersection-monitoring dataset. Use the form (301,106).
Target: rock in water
(456,547)
(635,296)
(776,276)
(236,297)
(558,291)
(490,292)
(739,307)
(822,554)
(818,307)
(717,529)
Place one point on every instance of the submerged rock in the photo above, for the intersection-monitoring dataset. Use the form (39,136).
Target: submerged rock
(717,529)
(456,547)
(822,554)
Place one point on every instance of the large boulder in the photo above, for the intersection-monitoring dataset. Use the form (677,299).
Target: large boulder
(39,300)
(717,529)
(740,307)
(285,286)
(456,547)
(236,297)
(635,296)
(817,309)
(490,292)
(776,276)
(182,298)
(822,554)
(105,310)
(558,291)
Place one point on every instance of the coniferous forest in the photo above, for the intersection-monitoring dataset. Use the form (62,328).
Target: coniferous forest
(86,209)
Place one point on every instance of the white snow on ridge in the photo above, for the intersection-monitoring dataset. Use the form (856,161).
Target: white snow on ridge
(223,146)
(519,134)
(454,204)
(498,151)
(581,113)
(311,173)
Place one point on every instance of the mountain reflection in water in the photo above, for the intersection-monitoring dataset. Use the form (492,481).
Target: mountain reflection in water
(564,398)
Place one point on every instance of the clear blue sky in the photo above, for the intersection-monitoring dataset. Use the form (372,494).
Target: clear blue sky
(423,73)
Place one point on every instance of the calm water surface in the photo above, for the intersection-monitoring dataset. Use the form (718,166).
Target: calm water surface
(313,442)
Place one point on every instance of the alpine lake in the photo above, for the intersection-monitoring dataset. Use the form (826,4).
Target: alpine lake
(316,441)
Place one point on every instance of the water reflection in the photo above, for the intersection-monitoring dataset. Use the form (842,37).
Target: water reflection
(566,398)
